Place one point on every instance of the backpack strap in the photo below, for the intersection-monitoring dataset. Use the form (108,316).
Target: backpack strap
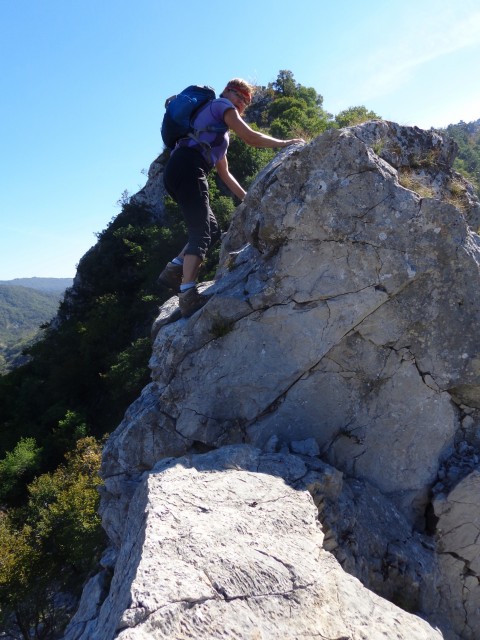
(211,128)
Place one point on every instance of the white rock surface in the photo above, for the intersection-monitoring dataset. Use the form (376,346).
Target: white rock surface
(212,552)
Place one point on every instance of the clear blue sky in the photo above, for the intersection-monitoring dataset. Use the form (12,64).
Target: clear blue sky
(83,84)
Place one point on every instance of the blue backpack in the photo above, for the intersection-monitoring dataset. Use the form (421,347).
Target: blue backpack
(180,112)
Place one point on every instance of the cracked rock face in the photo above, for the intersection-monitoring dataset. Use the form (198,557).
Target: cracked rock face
(345,313)
(348,313)
(458,532)
(212,552)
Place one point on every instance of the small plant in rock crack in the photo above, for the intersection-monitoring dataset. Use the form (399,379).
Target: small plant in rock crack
(221,327)
(378,146)
(457,194)
(387,146)
(408,180)
(426,160)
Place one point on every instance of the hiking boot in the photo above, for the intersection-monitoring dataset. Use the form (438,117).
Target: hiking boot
(171,277)
(190,301)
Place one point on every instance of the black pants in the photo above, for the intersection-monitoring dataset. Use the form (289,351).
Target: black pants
(185,179)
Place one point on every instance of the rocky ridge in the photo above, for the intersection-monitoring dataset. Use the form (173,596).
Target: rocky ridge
(340,341)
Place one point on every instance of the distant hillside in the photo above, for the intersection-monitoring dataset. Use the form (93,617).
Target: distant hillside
(22,311)
(41,284)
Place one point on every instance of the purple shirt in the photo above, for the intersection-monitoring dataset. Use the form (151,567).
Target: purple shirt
(212,114)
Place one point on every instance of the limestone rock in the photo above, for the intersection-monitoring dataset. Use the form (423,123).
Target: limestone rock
(458,531)
(219,546)
(153,193)
(373,289)
(345,315)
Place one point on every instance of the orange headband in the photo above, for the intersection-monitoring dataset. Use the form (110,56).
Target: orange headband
(244,92)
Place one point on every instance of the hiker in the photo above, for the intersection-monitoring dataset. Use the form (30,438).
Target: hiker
(185,179)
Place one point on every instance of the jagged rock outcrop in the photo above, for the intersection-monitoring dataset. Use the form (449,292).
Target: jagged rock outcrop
(153,193)
(458,527)
(343,324)
(227,545)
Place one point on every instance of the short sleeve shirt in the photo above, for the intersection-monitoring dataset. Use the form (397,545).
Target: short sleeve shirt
(213,113)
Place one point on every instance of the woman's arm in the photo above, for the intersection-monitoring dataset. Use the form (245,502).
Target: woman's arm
(251,137)
(229,180)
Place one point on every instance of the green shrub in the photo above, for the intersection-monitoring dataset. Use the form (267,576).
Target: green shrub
(17,467)
(50,545)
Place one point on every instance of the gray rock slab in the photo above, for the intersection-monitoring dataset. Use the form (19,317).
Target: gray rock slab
(211,551)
